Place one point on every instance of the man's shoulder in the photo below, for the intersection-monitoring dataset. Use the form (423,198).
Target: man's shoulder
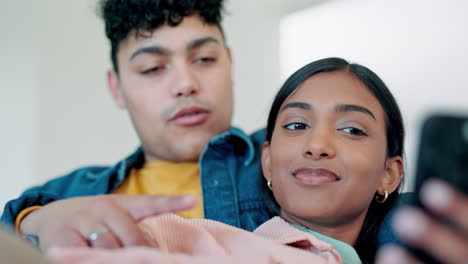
(256,138)
(75,183)
(90,180)
(90,175)
(88,172)
(259,135)
(247,146)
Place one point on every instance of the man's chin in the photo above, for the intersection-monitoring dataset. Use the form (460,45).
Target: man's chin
(191,152)
(186,148)
(191,149)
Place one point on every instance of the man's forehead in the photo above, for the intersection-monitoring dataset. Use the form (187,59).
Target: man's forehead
(173,38)
(169,43)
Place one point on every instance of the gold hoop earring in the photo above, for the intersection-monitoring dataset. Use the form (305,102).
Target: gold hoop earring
(381,201)
(269,184)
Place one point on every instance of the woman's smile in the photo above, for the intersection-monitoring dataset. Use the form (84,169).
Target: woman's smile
(314,176)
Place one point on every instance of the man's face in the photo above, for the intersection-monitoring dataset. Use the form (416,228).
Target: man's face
(176,84)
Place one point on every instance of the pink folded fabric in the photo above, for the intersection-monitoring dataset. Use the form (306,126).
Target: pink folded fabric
(179,240)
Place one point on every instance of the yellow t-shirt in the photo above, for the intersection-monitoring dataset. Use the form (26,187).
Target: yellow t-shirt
(159,177)
(167,178)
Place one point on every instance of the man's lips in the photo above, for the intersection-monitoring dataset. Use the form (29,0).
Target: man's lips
(190,116)
(314,176)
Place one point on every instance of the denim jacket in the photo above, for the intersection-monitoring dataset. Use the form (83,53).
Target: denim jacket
(234,192)
(230,177)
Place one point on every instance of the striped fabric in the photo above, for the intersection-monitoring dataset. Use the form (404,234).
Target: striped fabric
(180,240)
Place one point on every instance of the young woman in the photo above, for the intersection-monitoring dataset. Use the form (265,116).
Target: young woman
(333,156)
(333,160)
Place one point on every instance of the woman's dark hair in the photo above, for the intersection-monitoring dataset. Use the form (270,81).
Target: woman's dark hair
(143,16)
(366,244)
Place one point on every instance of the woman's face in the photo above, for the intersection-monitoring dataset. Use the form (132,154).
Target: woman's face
(327,156)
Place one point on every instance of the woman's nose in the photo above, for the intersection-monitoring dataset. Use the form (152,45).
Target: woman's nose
(319,145)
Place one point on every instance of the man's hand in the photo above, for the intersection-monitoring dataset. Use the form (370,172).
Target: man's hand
(448,243)
(107,221)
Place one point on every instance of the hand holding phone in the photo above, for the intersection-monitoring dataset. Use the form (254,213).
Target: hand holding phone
(443,151)
(439,225)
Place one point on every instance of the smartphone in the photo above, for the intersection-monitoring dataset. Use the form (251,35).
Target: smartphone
(442,154)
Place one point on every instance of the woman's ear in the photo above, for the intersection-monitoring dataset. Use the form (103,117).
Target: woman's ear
(113,83)
(394,170)
(266,161)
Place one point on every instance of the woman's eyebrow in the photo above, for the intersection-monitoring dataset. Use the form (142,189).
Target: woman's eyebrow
(354,108)
(338,108)
(300,105)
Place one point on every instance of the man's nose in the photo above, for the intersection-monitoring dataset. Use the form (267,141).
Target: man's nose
(186,81)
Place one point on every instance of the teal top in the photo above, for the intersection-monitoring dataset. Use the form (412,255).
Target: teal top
(347,252)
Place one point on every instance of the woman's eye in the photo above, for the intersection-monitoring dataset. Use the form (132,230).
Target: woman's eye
(354,131)
(296,126)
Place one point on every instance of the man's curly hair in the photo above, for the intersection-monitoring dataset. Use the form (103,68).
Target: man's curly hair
(123,16)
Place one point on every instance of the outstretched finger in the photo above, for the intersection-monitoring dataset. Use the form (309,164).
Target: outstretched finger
(121,223)
(441,241)
(142,206)
(446,202)
(393,254)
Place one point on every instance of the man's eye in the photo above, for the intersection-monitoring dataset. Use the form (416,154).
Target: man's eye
(152,70)
(206,60)
(354,131)
(296,126)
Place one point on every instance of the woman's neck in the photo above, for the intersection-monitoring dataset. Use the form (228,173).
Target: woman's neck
(347,232)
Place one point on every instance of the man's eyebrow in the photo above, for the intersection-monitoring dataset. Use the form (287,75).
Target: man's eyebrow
(200,42)
(353,108)
(150,50)
(158,50)
(300,105)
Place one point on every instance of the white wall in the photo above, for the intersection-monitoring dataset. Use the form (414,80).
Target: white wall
(253,33)
(56,112)
(78,121)
(418,47)
(17,82)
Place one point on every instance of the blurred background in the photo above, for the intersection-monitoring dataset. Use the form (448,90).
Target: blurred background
(57,115)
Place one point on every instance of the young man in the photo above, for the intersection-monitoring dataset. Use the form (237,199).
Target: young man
(172,72)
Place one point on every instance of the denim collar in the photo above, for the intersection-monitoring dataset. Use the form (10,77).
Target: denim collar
(240,140)
(247,154)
